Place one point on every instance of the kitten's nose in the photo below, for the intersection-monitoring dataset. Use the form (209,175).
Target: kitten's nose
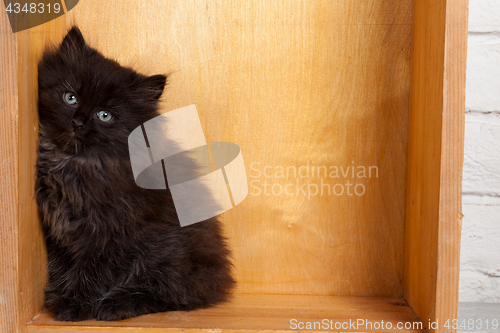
(77,124)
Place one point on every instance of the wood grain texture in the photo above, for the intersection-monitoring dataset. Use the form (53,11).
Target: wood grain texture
(9,263)
(435,158)
(293,83)
(452,157)
(252,313)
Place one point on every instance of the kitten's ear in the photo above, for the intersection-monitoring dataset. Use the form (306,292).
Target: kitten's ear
(155,85)
(73,40)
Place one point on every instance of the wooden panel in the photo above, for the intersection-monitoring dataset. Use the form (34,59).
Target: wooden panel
(435,158)
(256,313)
(424,151)
(452,155)
(9,288)
(294,83)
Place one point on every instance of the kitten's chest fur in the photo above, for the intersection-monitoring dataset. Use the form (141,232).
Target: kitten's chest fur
(98,224)
(91,200)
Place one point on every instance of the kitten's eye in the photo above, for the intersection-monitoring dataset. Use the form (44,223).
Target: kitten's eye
(104,116)
(70,98)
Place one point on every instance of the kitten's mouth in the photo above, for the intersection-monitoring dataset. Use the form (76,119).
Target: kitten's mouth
(72,144)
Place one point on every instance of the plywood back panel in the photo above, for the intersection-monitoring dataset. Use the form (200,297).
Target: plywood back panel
(295,84)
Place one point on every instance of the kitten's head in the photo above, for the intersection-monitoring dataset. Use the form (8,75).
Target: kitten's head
(90,104)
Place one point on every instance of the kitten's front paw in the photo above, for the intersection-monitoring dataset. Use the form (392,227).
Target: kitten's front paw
(72,311)
(122,303)
(109,309)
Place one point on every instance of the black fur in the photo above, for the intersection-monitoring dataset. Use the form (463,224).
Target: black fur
(114,250)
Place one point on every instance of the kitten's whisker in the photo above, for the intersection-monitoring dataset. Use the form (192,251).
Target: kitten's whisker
(67,143)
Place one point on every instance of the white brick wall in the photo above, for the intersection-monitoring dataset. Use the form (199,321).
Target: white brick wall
(480,254)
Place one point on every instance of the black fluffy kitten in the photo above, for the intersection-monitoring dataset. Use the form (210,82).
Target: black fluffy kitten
(114,250)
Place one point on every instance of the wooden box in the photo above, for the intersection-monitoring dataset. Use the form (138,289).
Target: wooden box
(312,83)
